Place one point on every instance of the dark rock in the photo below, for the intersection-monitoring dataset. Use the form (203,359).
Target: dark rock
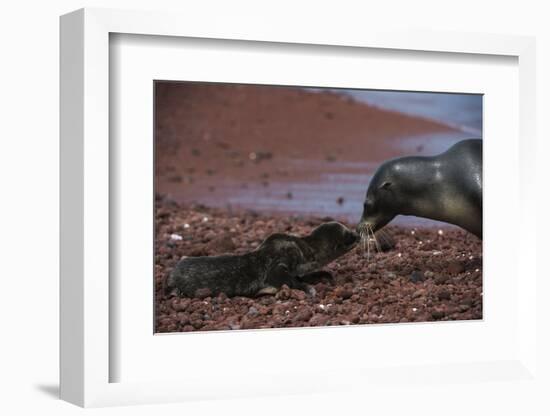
(416,276)
(463,307)
(467,301)
(181,304)
(203,293)
(319,320)
(303,315)
(283,293)
(343,292)
(444,295)
(442,279)
(438,314)
(197,324)
(247,323)
(220,245)
(419,293)
(267,300)
(165,321)
(297,294)
(455,267)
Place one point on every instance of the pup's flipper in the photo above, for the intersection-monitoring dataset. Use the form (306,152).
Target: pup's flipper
(317,277)
(279,275)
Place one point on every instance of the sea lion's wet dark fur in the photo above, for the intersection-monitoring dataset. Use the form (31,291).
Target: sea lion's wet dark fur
(280,259)
(446,187)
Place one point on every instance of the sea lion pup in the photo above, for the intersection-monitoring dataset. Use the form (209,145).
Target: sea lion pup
(446,187)
(280,259)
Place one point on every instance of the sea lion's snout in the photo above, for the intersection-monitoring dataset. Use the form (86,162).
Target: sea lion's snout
(368,218)
(365,228)
(369,224)
(351,237)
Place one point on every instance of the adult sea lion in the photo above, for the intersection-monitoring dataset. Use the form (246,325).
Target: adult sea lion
(446,187)
(280,259)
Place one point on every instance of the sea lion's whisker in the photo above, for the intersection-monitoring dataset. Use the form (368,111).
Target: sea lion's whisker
(364,238)
(368,248)
(384,236)
(374,241)
(382,232)
(376,244)
(370,239)
(380,237)
(367,242)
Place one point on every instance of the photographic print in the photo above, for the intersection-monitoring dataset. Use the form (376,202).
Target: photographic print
(287,206)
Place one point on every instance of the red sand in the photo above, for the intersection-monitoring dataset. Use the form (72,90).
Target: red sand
(205,132)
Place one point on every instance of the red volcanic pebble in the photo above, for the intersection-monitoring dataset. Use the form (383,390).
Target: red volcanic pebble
(427,275)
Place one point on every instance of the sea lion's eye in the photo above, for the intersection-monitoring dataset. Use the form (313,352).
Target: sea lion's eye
(385,185)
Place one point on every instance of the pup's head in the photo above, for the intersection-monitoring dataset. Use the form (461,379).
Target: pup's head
(330,241)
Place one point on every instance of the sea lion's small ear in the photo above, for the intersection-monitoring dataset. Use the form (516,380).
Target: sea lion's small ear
(385,185)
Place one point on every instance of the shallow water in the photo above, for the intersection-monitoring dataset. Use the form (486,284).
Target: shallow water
(335,189)
(462,111)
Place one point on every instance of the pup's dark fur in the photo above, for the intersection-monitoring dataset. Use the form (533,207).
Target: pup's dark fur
(280,259)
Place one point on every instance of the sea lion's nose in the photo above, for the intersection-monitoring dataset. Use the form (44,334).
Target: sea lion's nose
(352,237)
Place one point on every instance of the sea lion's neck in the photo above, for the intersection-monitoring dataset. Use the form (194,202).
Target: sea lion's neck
(421,180)
(436,199)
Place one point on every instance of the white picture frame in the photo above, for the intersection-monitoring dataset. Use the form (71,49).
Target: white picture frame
(86,353)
